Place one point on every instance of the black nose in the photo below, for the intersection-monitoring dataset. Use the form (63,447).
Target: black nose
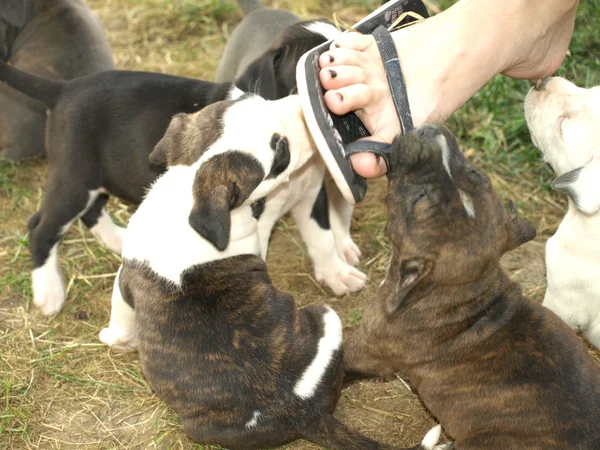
(541,84)
(427,132)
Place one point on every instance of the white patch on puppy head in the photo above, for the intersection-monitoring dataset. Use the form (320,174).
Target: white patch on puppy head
(234,93)
(467,203)
(464,197)
(327,30)
(159,232)
(252,423)
(328,345)
(443,143)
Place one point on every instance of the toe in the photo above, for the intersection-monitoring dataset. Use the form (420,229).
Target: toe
(353,40)
(349,98)
(341,76)
(368,165)
(344,57)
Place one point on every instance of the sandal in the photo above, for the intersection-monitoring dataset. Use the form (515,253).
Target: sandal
(336,137)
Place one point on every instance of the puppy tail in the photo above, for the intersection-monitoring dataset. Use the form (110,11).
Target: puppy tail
(331,433)
(247,6)
(46,91)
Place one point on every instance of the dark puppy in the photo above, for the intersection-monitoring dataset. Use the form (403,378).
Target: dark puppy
(498,370)
(251,37)
(265,47)
(54,39)
(232,355)
(100,131)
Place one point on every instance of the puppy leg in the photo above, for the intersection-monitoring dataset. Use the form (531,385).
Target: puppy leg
(46,228)
(340,217)
(340,276)
(121,333)
(102,226)
(358,359)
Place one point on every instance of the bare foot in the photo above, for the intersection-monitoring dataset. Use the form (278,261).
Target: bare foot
(441,74)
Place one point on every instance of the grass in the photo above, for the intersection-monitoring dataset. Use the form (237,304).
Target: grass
(59,388)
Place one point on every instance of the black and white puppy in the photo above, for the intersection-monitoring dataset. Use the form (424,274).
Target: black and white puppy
(54,39)
(262,53)
(232,355)
(228,127)
(100,131)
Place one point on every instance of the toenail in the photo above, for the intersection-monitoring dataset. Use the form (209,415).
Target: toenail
(340,96)
(336,45)
(377,159)
(332,73)
(330,58)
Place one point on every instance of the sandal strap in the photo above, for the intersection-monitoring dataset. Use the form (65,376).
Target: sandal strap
(378,148)
(393,71)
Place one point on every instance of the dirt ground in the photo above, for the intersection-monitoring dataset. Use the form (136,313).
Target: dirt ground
(62,389)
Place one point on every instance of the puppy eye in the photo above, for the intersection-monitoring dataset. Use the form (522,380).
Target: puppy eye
(561,122)
(420,195)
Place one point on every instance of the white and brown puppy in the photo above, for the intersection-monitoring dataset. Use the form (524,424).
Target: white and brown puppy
(230,127)
(329,247)
(564,121)
(232,355)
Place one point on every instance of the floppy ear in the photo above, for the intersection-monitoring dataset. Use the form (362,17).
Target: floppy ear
(261,76)
(414,282)
(582,185)
(221,184)
(15,12)
(164,150)
(519,231)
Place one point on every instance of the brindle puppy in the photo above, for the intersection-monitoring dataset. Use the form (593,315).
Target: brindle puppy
(232,355)
(498,370)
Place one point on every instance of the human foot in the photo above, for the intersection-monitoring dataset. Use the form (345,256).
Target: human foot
(441,75)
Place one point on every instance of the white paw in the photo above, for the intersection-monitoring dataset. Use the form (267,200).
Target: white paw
(48,289)
(349,251)
(341,277)
(109,233)
(119,339)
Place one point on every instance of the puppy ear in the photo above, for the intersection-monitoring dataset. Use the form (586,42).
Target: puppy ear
(261,77)
(519,231)
(15,12)
(582,186)
(164,151)
(414,282)
(221,184)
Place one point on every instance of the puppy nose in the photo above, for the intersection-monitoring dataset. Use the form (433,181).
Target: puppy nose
(428,131)
(541,83)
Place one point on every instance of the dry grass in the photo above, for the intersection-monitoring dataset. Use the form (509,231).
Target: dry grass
(62,389)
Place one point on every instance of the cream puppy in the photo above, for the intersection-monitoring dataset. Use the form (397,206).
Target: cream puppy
(564,121)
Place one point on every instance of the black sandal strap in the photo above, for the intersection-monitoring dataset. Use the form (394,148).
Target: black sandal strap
(393,71)
(378,148)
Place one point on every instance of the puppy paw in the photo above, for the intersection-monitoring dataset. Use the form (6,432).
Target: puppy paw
(48,290)
(349,251)
(119,339)
(109,233)
(341,277)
